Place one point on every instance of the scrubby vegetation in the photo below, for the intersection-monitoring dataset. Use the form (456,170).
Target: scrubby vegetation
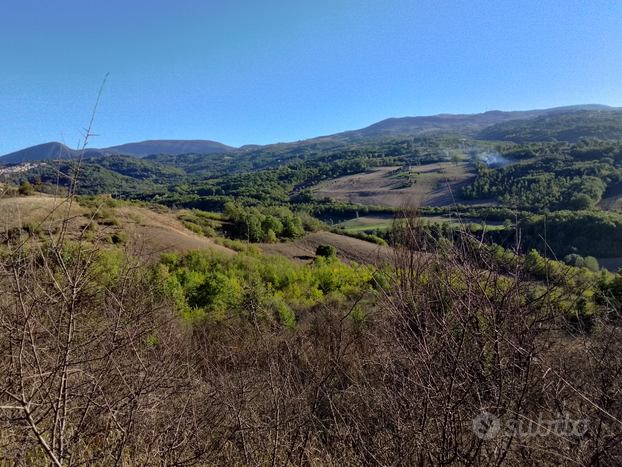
(110,355)
(210,359)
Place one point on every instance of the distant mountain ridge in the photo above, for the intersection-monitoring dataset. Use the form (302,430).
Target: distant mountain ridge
(464,124)
(163,146)
(488,125)
(144,148)
(569,126)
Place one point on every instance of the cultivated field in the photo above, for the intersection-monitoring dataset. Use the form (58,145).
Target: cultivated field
(366,223)
(426,185)
(381,221)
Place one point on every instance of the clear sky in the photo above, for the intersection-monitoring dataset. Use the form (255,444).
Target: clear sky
(267,71)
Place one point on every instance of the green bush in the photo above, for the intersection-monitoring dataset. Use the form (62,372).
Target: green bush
(195,228)
(327,251)
(26,189)
(237,245)
(119,238)
(135,217)
(101,213)
(30,227)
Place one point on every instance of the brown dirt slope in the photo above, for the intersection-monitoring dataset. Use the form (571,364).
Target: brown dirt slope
(348,248)
(152,233)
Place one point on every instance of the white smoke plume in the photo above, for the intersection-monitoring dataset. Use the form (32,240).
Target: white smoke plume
(493,159)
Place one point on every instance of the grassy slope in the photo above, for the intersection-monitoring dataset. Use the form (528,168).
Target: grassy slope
(348,249)
(149,232)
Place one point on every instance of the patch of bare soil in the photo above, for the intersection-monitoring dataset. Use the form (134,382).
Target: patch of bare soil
(611,198)
(154,233)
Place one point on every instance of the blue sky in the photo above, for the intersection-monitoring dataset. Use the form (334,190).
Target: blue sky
(250,71)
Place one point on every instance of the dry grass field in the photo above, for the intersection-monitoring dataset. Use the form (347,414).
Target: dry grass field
(14,211)
(150,233)
(348,249)
(432,185)
(367,223)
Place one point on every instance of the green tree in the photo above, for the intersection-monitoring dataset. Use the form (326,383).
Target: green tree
(581,201)
(252,226)
(26,189)
(292,226)
(215,292)
(272,223)
(327,251)
(270,237)
(507,224)
(576,260)
(39,184)
(591,263)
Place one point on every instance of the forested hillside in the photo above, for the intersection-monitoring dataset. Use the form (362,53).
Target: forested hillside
(107,175)
(570,127)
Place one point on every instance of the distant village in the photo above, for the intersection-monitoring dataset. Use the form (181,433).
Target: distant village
(19,168)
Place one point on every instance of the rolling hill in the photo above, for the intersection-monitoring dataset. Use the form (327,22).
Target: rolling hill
(56,150)
(517,126)
(46,151)
(570,126)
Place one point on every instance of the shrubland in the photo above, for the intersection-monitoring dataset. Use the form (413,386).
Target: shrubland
(110,357)
(206,359)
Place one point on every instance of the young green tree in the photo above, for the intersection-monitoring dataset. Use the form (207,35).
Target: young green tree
(507,224)
(26,189)
(327,251)
(270,237)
